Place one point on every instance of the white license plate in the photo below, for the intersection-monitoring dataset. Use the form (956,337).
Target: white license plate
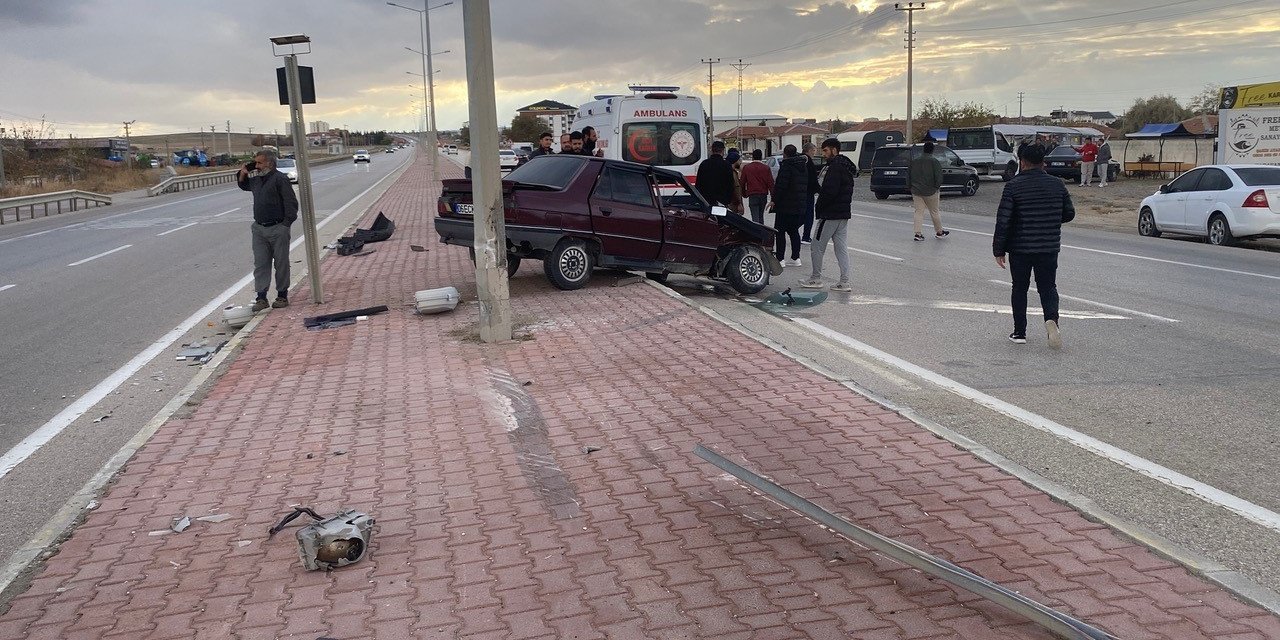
(1057,164)
(891,173)
(463,209)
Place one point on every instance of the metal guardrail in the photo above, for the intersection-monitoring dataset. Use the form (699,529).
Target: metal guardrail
(179,183)
(56,202)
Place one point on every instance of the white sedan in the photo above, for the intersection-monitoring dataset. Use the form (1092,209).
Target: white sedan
(289,167)
(361,155)
(508,160)
(1222,203)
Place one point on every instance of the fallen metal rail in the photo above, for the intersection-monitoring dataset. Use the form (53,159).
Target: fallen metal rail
(56,202)
(1055,622)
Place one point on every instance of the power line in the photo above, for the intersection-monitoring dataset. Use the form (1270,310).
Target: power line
(1147,21)
(1038,24)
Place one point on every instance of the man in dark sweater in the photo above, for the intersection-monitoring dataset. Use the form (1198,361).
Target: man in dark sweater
(1029,222)
(275,207)
(833,210)
(544,146)
(715,177)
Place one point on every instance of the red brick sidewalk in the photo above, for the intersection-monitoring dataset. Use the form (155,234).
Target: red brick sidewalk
(494,521)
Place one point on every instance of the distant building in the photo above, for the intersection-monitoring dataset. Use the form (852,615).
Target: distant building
(724,123)
(319,126)
(557,116)
(1092,117)
(771,139)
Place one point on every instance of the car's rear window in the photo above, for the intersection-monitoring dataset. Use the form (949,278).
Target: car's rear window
(1062,150)
(506,153)
(552,171)
(285,163)
(1259,176)
(891,157)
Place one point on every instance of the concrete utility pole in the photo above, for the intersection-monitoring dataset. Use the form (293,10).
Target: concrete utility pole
(305,200)
(228,137)
(128,146)
(1,157)
(911,8)
(711,99)
(1021,95)
(740,66)
(486,177)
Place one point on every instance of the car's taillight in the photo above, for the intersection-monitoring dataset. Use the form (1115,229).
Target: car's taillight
(1257,199)
(442,207)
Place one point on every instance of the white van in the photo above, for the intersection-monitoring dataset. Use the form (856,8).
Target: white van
(991,149)
(652,126)
(860,146)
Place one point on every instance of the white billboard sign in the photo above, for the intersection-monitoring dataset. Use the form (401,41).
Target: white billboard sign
(1249,136)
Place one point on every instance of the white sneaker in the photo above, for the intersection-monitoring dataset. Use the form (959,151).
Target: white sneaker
(793,263)
(1055,338)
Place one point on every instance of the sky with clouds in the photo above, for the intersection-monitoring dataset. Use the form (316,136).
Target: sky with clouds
(87,65)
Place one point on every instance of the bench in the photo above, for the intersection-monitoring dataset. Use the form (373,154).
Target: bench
(1155,169)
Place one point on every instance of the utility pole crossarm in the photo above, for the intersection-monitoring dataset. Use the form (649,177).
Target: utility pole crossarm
(911,8)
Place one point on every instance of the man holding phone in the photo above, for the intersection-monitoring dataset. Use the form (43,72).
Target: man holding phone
(275,207)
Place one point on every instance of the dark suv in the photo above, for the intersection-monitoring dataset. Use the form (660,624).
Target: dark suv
(889,171)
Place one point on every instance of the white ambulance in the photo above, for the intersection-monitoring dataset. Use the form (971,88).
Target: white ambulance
(652,126)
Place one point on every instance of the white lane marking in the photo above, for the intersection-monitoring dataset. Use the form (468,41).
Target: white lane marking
(1160,473)
(880,255)
(226,212)
(104,253)
(165,233)
(117,215)
(1110,253)
(40,437)
(1099,304)
(7,287)
(948,305)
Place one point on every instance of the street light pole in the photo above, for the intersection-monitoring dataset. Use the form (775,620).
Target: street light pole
(911,8)
(428,87)
(300,159)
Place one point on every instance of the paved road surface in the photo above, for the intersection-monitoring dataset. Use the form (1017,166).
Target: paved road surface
(81,295)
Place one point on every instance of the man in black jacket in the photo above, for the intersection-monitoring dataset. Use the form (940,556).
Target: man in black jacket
(790,190)
(544,146)
(835,196)
(715,177)
(1033,209)
(275,207)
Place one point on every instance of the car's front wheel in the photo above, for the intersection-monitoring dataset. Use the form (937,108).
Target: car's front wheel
(880,195)
(1147,224)
(1220,231)
(569,265)
(971,186)
(748,270)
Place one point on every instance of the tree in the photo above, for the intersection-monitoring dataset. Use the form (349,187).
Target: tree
(1156,109)
(1205,102)
(464,135)
(942,114)
(526,127)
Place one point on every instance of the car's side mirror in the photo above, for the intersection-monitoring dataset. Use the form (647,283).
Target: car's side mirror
(1164,188)
(719,211)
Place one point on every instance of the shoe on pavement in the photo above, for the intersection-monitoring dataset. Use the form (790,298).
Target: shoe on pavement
(1055,338)
(280,303)
(260,304)
(1018,338)
(811,283)
(919,237)
(942,234)
(794,262)
(805,241)
(841,286)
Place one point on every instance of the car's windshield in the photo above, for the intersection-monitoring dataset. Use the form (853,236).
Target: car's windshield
(962,139)
(361,151)
(550,171)
(506,153)
(285,163)
(1259,176)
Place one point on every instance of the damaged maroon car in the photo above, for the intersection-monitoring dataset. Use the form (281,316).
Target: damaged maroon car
(577,213)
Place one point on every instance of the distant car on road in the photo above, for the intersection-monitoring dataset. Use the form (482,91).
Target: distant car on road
(391,149)
(576,213)
(507,159)
(289,167)
(451,149)
(360,155)
(889,171)
(1223,203)
(1064,162)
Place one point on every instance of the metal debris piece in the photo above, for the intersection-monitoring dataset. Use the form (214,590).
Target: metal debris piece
(528,383)
(181,524)
(217,517)
(160,532)
(97,420)
(339,452)
(417,247)
(628,280)
(590,449)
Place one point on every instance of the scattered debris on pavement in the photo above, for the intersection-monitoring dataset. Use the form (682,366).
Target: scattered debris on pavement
(628,280)
(331,542)
(381,230)
(429,301)
(199,352)
(590,449)
(341,318)
(180,524)
(417,248)
(102,417)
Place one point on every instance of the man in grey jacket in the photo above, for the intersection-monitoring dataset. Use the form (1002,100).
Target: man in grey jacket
(925,176)
(1033,209)
(275,207)
(1104,161)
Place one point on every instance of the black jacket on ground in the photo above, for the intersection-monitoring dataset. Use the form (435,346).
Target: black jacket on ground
(790,189)
(835,190)
(273,197)
(715,180)
(1032,211)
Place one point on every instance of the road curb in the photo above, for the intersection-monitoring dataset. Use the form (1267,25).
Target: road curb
(1199,564)
(44,543)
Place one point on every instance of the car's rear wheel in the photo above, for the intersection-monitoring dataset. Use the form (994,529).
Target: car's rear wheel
(1147,224)
(1220,231)
(748,270)
(1010,170)
(569,265)
(880,195)
(971,186)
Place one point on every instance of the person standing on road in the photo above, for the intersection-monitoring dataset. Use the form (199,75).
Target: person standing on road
(275,207)
(1104,162)
(789,193)
(544,146)
(735,162)
(809,150)
(1088,156)
(715,177)
(925,175)
(589,138)
(1033,209)
(757,182)
(566,143)
(835,198)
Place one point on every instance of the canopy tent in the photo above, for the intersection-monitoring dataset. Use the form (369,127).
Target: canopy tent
(1162,132)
